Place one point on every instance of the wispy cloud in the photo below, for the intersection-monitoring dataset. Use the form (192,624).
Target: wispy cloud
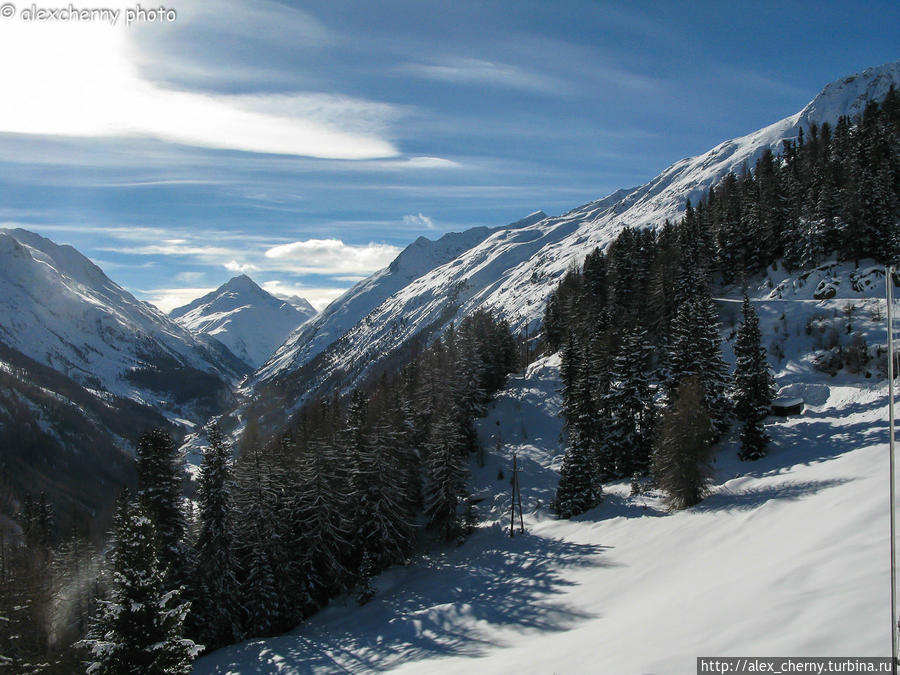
(332,256)
(419,220)
(167,299)
(83,80)
(481,72)
(175,247)
(419,163)
(744,78)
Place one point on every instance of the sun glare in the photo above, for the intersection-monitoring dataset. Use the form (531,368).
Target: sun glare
(77,78)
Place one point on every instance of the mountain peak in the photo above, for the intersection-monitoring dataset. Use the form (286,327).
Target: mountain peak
(849,95)
(244,317)
(240,283)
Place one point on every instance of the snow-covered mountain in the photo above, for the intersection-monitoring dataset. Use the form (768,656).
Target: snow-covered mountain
(248,320)
(510,270)
(62,311)
(342,314)
(85,369)
(300,304)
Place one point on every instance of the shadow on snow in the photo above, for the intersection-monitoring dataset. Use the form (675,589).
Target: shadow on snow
(440,607)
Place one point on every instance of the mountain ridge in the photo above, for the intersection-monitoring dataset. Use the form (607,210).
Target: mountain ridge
(510,270)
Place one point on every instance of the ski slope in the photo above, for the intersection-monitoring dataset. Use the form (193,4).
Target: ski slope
(788,556)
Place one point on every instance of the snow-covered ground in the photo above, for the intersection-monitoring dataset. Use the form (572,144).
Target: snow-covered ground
(788,555)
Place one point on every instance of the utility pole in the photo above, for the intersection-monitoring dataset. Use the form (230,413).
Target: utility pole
(889,290)
(516,500)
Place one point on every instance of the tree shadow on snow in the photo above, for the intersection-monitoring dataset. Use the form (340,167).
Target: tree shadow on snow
(813,437)
(515,584)
(744,500)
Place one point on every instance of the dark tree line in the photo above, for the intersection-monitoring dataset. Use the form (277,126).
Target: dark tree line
(832,192)
(351,487)
(342,493)
(635,322)
(646,392)
(645,389)
(638,323)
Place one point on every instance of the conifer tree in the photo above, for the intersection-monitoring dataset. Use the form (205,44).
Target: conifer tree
(579,485)
(383,524)
(256,544)
(630,406)
(680,464)
(140,628)
(324,516)
(214,615)
(696,350)
(159,473)
(552,325)
(447,468)
(754,385)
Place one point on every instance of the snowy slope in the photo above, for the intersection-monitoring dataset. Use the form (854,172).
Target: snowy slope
(341,315)
(787,556)
(511,270)
(61,310)
(245,318)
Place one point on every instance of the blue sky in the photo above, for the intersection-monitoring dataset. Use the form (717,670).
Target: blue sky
(307,143)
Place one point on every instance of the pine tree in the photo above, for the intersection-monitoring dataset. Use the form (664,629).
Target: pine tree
(214,613)
(696,350)
(754,385)
(585,458)
(256,543)
(447,468)
(680,464)
(159,473)
(383,523)
(630,406)
(140,628)
(324,518)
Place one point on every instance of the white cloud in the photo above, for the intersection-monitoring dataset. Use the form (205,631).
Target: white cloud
(332,256)
(419,220)
(189,277)
(240,268)
(176,248)
(82,79)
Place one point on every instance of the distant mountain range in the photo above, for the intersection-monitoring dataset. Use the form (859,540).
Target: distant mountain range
(86,367)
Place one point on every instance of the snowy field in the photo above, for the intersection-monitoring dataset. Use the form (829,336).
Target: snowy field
(788,556)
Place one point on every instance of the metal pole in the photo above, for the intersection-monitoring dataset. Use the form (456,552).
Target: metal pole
(519,498)
(889,286)
(512,500)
